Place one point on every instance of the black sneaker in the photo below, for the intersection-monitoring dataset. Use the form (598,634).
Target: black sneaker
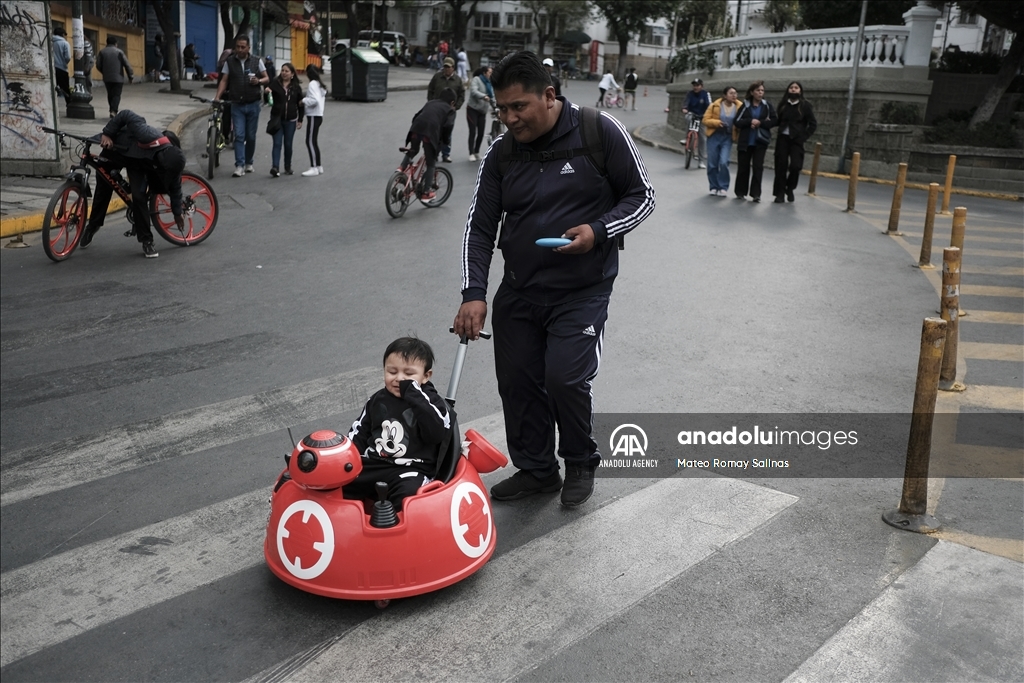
(288,170)
(522,484)
(789,196)
(149,250)
(579,484)
(274,172)
(87,236)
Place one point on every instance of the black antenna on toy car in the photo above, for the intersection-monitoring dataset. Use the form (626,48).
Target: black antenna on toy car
(295,444)
(460,359)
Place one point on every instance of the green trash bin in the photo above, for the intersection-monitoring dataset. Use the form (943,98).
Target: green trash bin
(369,75)
(340,73)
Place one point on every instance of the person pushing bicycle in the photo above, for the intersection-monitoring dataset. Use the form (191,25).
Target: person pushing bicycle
(154,161)
(432,125)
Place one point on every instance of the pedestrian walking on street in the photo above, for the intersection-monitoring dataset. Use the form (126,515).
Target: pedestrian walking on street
(447,78)
(697,102)
(718,123)
(316,96)
(158,50)
(549,64)
(629,88)
(88,63)
(242,78)
(478,106)
(288,111)
(551,307)
(462,65)
(61,59)
(796,124)
(607,83)
(113,65)
(756,119)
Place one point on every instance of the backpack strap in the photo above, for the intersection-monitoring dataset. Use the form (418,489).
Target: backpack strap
(590,136)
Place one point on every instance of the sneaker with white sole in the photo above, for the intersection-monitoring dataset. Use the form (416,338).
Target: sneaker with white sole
(149,250)
(249,168)
(702,165)
(239,172)
(472,157)
(311,172)
(320,170)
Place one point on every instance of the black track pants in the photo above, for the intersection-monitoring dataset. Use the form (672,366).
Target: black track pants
(546,359)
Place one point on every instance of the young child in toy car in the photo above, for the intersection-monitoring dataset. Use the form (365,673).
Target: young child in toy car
(401,427)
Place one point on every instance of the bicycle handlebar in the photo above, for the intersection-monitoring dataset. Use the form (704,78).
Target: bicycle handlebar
(90,141)
(214,103)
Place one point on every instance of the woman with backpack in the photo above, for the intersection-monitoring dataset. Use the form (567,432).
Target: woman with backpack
(796,124)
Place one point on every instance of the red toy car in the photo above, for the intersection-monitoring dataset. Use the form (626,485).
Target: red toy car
(325,544)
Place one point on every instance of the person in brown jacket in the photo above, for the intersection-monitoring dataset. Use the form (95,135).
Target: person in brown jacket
(447,78)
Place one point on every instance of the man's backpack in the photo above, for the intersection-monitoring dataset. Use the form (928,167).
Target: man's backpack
(590,136)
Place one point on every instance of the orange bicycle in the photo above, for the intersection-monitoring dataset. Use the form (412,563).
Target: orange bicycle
(403,187)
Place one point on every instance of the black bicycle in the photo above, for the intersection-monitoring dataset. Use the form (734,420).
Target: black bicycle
(215,138)
(66,215)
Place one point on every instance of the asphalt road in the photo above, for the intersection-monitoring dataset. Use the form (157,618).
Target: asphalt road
(145,405)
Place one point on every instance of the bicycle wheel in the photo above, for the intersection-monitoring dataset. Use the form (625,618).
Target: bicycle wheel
(396,198)
(211,151)
(609,100)
(689,152)
(64,220)
(442,187)
(620,101)
(199,208)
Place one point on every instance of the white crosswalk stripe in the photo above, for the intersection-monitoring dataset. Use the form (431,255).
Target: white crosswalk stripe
(489,628)
(58,598)
(51,467)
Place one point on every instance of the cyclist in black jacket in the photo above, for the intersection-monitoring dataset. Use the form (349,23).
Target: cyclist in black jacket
(432,125)
(551,307)
(154,161)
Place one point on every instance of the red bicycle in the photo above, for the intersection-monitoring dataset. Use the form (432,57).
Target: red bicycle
(692,138)
(404,184)
(65,217)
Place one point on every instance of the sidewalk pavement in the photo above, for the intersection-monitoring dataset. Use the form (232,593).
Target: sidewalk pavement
(23,199)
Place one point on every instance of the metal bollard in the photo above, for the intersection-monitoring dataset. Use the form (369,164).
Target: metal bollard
(812,185)
(949,184)
(925,261)
(956,237)
(897,201)
(951,314)
(851,193)
(912,513)
(17,243)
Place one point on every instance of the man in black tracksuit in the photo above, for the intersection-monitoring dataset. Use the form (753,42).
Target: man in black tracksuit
(551,307)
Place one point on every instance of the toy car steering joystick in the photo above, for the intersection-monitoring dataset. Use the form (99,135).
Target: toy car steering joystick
(383,516)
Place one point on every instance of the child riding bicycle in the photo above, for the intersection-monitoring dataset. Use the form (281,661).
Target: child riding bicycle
(432,125)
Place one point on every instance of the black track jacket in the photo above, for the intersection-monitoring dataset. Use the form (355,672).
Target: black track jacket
(544,199)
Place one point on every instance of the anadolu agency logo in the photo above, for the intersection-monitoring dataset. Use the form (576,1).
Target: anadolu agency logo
(628,448)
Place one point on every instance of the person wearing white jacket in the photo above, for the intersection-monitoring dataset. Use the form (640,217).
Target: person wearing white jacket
(316,94)
(607,83)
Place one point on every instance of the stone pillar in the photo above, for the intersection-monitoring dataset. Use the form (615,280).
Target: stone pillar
(918,53)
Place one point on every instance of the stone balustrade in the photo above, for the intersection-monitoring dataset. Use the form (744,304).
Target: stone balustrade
(883,46)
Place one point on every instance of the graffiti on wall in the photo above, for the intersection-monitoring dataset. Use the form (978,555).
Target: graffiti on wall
(27,100)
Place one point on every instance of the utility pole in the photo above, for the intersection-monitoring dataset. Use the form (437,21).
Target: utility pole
(79,98)
(857,53)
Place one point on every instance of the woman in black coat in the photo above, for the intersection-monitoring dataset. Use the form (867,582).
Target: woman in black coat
(754,123)
(288,110)
(796,124)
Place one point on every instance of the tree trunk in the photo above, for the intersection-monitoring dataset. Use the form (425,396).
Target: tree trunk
(225,23)
(353,23)
(162,8)
(541,39)
(1012,63)
(620,69)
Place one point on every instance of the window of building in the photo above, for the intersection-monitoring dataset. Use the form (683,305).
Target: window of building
(410,24)
(556,28)
(653,35)
(487,20)
(519,20)
(967,18)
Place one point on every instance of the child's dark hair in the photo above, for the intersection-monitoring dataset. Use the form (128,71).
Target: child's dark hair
(448,96)
(523,68)
(313,73)
(411,348)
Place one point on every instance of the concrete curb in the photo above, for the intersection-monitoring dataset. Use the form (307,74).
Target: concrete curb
(878,181)
(406,88)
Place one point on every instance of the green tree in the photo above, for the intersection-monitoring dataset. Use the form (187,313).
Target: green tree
(700,20)
(627,19)
(842,13)
(1008,15)
(779,14)
(548,14)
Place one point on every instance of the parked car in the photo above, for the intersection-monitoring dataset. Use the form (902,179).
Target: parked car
(393,44)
